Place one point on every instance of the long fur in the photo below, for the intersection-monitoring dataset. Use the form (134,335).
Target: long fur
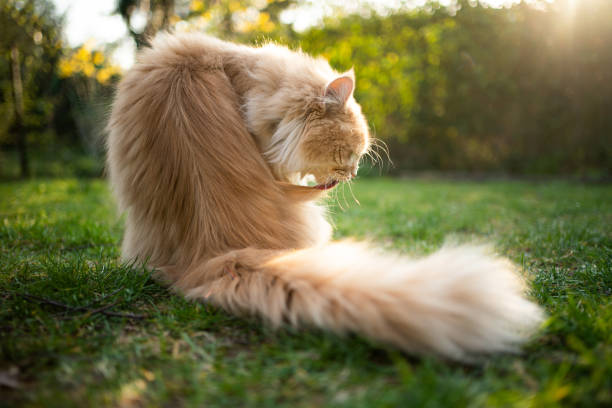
(196,160)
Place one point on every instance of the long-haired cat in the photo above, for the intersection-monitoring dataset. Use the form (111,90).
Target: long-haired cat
(209,144)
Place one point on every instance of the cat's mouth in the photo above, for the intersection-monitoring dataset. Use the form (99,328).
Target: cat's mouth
(327,185)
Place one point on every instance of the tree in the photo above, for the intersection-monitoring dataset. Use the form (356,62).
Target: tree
(522,89)
(30,44)
(157,16)
(242,20)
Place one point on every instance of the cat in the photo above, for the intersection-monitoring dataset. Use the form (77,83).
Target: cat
(209,146)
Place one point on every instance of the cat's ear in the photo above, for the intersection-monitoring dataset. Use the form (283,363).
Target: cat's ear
(341,88)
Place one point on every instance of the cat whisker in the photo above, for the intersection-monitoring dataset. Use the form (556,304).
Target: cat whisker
(350,182)
(374,158)
(344,196)
(375,162)
(338,200)
(374,153)
(329,209)
(329,203)
(381,145)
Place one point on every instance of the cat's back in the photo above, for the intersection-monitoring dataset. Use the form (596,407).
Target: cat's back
(177,87)
(198,50)
(173,61)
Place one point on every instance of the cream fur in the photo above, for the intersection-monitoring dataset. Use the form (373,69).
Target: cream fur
(207,143)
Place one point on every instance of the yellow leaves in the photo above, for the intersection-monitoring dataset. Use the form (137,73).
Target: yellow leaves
(88,62)
(88,69)
(83,54)
(246,16)
(253,20)
(174,19)
(98,58)
(103,76)
(196,6)
(234,6)
(107,72)
(264,22)
(66,69)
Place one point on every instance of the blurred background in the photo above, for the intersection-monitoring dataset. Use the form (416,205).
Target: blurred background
(454,87)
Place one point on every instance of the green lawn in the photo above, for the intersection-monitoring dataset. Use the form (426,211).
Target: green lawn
(59,243)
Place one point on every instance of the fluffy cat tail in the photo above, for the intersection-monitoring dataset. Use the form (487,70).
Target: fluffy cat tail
(458,302)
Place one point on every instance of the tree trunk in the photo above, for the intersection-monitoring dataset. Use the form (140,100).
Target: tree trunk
(18,106)
(159,14)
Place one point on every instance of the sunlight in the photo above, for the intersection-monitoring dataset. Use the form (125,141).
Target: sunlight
(497,3)
(568,18)
(570,10)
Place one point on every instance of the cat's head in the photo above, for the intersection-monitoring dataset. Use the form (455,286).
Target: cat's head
(330,138)
(335,135)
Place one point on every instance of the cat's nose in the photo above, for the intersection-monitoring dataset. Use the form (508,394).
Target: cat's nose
(353,173)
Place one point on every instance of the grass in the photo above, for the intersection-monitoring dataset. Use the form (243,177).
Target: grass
(59,242)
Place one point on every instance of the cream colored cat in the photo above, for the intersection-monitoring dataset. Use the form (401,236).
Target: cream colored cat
(209,143)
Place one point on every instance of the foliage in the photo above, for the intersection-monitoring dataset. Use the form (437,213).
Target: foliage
(145,18)
(35,31)
(239,20)
(235,19)
(469,88)
(466,87)
(59,241)
(55,160)
(88,62)
(65,92)
(522,90)
(89,79)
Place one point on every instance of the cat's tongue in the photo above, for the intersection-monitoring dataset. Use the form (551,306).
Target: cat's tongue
(327,185)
